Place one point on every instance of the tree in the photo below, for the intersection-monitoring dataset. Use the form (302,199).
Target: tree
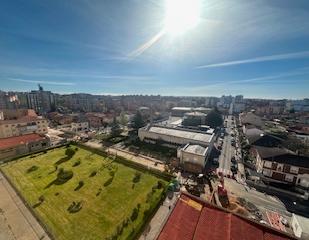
(115,128)
(123,119)
(138,121)
(214,119)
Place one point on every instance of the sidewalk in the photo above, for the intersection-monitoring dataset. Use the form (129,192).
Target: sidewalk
(16,220)
(156,224)
(150,163)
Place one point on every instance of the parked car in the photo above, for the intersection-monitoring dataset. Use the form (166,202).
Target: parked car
(233,159)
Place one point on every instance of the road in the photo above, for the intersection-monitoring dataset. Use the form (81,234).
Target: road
(227,150)
(16,221)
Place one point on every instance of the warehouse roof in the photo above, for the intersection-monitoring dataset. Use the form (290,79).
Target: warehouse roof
(195,219)
(191,135)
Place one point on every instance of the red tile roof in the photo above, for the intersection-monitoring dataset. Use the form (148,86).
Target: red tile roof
(14,141)
(194,219)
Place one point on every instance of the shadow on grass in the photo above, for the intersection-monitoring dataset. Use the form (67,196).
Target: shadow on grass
(62,177)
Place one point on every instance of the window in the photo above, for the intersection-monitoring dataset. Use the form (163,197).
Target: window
(267,164)
(294,170)
(280,167)
(267,172)
(289,178)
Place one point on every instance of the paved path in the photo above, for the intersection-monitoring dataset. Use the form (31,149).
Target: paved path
(130,156)
(16,221)
(156,224)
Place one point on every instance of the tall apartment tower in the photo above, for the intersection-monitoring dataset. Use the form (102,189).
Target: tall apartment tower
(41,101)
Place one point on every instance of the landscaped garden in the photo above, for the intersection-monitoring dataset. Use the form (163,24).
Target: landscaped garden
(82,195)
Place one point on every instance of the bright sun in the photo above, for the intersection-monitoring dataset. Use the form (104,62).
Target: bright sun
(181,15)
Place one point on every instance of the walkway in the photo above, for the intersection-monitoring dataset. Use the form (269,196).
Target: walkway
(16,221)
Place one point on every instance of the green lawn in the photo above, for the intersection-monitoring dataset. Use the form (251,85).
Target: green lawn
(104,208)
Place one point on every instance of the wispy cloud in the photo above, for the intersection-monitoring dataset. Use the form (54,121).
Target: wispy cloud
(278,57)
(42,82)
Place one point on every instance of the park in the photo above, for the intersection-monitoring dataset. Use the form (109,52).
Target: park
(79,194)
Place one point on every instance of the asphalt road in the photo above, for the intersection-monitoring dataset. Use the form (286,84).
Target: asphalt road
(227,150)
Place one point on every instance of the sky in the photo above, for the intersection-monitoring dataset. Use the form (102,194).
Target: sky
(258,48)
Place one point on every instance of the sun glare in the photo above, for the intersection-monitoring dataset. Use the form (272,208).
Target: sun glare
(181,15)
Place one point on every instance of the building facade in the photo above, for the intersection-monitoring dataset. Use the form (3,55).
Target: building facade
(193,158)
(17,124)
(15,146)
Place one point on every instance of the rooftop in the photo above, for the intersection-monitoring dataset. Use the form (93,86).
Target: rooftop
(195,219)
(196,149)
(203,137)
(284,156)
(15,141)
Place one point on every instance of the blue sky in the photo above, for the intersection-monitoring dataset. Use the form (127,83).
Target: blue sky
(255,48)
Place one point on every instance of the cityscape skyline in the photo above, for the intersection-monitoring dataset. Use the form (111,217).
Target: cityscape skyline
(104,48)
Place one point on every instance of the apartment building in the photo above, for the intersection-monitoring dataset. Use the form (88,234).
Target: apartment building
(282,165)
(21,122)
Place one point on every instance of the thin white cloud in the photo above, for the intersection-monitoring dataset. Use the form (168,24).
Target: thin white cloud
(42,82)
(278,57)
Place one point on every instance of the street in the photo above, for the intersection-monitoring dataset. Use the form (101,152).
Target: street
(227,150)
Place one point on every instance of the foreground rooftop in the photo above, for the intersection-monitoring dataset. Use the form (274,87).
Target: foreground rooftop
(195,219)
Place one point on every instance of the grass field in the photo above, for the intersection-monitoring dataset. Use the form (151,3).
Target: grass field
(107,201)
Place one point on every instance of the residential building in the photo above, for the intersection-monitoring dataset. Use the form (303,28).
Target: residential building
(79,126)
(193,158)
(282,165)
(251,119)
(41,101)
(14,146)
(21,122)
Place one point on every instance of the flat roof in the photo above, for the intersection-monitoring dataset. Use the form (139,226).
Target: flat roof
(193,218)
(203,137)
(15,141)
(182,108)
(196,149)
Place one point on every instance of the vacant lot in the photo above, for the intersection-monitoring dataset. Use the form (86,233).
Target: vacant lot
(81,195)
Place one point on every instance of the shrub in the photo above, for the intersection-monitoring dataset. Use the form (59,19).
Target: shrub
(134,214)
(69,152)
(32,169)
(160,184)
(79,186)
(75,164)
(75,207)
(112,173)
(93,173)
(41,198)
(108,182)
(137,177)
(62,177)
